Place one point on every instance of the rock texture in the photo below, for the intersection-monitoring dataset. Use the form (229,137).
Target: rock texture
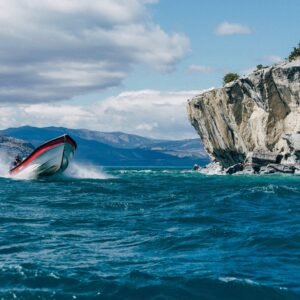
(10,147)
(252,123)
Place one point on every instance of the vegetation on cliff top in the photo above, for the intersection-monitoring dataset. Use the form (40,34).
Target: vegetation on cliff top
(295,53)
(230,77)
(260,66)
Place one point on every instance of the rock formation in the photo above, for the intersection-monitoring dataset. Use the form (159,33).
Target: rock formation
(253,123)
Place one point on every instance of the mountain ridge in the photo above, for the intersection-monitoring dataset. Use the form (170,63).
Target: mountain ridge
(118,148)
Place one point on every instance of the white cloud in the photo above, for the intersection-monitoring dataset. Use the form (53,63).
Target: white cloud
(227,28)
(53,50)
(146,112)
(200,69)
(247,71)
(146,126)
(273,59)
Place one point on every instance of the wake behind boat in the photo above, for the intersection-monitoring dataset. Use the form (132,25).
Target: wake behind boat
(48,159)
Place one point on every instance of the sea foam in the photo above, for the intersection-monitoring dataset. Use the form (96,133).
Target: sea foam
(85,171)
(4,165)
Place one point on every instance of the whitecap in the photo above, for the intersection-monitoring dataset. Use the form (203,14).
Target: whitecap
(240,280)
(86,171)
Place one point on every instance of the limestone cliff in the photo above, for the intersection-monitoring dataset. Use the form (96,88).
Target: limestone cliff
(254,120)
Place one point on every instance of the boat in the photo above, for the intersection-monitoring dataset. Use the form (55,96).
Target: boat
(50,158)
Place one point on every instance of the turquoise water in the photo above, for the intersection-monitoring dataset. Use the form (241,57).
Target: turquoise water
(150,234)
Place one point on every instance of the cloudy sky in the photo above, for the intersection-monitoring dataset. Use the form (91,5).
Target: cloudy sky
(130,65)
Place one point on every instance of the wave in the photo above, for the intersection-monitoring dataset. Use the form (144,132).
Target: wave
(4,165)
(134,285)
(86,171)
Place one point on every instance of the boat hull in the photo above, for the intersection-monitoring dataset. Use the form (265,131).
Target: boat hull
(50,158)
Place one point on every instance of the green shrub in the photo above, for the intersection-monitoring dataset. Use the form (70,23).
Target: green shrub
(230,77)
(295,53)
(260,66)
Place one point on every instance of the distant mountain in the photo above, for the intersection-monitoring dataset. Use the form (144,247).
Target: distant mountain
(118,148)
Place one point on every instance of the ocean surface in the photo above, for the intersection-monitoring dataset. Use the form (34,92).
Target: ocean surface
(150,234)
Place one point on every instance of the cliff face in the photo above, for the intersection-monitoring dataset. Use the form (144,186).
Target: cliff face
(254,120)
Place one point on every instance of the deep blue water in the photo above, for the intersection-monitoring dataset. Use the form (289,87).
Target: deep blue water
(151,234)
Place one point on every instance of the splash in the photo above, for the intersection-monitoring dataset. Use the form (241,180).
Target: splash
(75,170)
(4,164)
(29,173)
(85,171)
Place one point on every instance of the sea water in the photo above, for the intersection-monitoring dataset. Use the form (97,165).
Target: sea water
(133,233)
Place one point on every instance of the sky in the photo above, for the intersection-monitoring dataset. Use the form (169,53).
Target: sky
(131,66)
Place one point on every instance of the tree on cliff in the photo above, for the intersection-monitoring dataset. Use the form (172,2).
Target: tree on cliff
(295,53)
(230,77)
(260,66)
